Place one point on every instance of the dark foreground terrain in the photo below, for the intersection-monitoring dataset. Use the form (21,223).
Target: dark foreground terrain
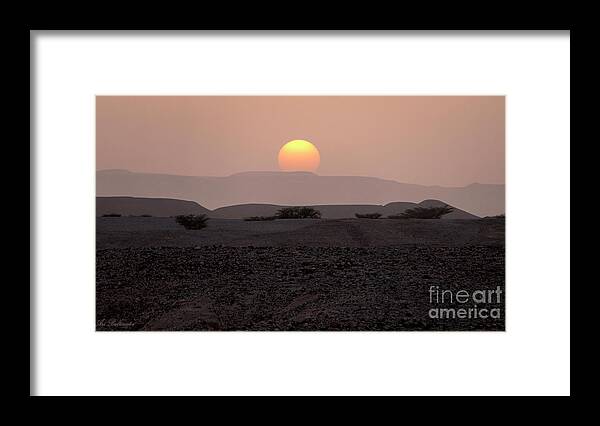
(296,274)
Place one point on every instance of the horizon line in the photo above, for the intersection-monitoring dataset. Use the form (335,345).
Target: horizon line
(299,171)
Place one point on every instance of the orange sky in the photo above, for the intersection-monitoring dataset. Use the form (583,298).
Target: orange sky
(448,141)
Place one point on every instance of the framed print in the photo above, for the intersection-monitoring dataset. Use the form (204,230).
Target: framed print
(292,213)
(300,213)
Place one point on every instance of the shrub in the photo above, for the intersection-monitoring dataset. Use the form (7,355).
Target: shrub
(259,218)
(368,215)
(423,213)
(298,213)
(111,215)
(192,221)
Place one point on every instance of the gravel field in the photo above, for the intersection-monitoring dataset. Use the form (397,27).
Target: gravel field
(126,232)
(294,274)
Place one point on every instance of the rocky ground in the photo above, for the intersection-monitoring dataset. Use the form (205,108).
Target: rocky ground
(126,232)
(323,275)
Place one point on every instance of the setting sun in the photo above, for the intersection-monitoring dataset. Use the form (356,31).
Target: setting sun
(299,155)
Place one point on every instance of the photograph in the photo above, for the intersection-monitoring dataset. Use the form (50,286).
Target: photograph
(300,213)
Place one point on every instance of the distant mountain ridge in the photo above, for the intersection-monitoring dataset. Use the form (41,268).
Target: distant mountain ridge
(295,188)
(163,207)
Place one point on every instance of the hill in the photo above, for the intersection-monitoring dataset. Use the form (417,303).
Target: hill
(295,188)
(134,206)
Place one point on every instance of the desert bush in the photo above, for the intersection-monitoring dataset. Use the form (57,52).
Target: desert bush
(368,215)
(192,221)
(259,218)
(111,215)
(423,213)
(298,213)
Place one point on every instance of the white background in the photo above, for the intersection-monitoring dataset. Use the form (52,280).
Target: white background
(531,357)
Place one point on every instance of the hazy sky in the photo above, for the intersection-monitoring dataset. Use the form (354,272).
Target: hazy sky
(449,141)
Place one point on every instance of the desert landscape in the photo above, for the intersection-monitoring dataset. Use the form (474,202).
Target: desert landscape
(300,213)
(289,274)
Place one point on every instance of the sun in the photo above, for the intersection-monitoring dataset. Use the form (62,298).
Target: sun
(299,156)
